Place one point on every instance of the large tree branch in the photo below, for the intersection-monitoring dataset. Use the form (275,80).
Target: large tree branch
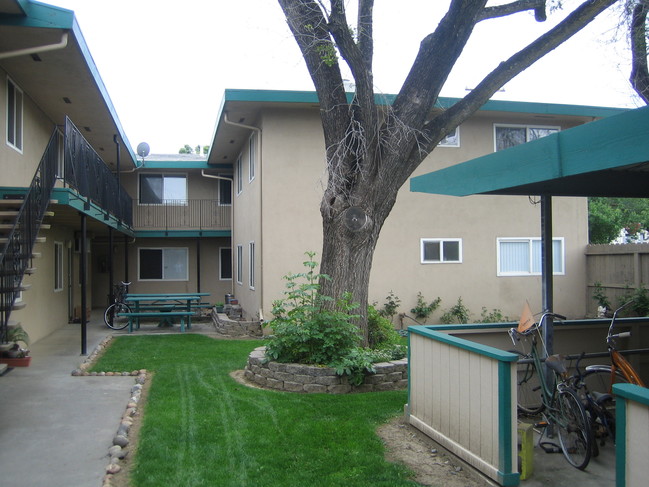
(639,69)
(507,70)
(511,8)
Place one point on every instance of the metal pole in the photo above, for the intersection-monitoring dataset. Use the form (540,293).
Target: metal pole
(198,264)
(111,277)
(126,258)
(82,269)
(547,270)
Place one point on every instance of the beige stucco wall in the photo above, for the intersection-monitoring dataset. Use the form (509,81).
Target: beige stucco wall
(293,181)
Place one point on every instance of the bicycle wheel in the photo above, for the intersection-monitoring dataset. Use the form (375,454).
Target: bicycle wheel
(112,318)
(529,400)
(598,379)
(574,429)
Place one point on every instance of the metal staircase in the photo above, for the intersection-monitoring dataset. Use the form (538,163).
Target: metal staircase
(21,219)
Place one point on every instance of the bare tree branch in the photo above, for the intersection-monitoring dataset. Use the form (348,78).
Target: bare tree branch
(511,8)
(638,32)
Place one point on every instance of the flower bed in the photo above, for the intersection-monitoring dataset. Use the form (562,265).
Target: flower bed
(389,376)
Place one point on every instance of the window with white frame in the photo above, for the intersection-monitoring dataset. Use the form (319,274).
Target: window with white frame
(14,116)
(58,266)
(240,264)
(452,139)
(163,264)
(441,250)
(225,263)
(159,189)
(251,264)
(239,170)
(508,135)
(522,256)
(225,192)
(252,156)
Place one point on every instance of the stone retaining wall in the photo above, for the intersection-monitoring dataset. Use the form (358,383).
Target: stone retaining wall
(235,328)
(389,376)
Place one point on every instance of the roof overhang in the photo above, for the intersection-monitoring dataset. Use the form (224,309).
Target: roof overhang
(608,157)
(45,54)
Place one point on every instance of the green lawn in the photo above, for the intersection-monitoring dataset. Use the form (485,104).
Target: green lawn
(201,428)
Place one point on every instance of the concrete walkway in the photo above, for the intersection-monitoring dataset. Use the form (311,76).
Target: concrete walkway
(55,429)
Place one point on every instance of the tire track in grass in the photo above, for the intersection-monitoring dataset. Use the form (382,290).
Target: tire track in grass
(187,433)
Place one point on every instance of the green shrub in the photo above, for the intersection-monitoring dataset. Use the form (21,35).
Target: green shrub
(304,331)
(380,330)
(390,306)
(599,295)
(458,313)
(423,310)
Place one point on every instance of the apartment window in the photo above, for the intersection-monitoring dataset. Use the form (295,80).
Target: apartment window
(225,192)
(522,256)
(14,116)
(252,156)
(240,264)
(58,266)
(158,189)
(163,264)
(225,263)
(441,250)
(251,264)
(452,139)
(239,167)
(507,136)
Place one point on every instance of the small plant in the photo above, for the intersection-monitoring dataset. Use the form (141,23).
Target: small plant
(391,305)
(599,295)
(493,316)
(458,313)
(380,330)
(307,331)
(15,335)
(423,310)
(641,301)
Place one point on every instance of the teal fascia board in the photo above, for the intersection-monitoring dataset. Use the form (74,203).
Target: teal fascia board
(183,165)
(182,233)
(613,142)
(283,96)
(69,197)
(40,15)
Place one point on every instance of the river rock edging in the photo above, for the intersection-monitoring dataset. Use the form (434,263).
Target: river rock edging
(389,376)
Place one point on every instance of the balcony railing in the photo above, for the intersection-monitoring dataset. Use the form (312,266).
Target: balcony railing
(182,215)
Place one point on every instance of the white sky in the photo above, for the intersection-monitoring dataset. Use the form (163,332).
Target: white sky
(166,63)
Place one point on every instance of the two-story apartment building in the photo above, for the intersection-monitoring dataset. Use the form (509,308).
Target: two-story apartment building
(240,219)
(485,250)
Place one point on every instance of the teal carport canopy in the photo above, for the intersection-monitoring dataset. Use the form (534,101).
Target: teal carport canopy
(608,157)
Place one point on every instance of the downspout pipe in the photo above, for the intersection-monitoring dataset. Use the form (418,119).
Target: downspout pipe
(261,198)
(34,50)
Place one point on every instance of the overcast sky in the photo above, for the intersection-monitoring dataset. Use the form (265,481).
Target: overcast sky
(166,63)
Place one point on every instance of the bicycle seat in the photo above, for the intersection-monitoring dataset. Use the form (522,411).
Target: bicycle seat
(556,363)
(601,397)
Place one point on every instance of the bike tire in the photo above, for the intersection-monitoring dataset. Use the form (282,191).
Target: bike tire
(574,429)
(112,319)
(529,400)
(598,379)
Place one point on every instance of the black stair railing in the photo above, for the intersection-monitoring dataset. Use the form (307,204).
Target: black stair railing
(86,172)
(17,251)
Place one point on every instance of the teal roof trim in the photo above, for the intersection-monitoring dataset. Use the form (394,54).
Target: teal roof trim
(183,165)
(40,15)
(550,164)
(282,96)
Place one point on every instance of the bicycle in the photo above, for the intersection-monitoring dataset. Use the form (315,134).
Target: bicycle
(560,404)
(112,314)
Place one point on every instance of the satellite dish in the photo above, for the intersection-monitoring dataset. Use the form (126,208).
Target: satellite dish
(354,218)
(143,149)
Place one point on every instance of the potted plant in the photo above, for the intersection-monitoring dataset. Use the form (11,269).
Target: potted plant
(15,355)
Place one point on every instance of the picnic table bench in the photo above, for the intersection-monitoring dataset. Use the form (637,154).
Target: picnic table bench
(135,316)
(166,306)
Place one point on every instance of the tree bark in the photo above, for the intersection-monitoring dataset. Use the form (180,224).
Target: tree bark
(638,32)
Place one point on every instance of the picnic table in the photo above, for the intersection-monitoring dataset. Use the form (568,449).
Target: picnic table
(165,306)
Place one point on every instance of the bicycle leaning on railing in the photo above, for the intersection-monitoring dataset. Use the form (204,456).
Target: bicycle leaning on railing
(558,401)
(112,315)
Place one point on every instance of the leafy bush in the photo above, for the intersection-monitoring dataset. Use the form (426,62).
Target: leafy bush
(493,316)
(380,330)
(458,313)
(304,331)
(390,306)
(599,295)
(423,310)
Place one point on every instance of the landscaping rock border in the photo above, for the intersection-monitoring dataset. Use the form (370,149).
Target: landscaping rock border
(389,376)
(235,328)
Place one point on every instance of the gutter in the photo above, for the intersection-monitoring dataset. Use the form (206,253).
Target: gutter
(33,50)
(261,214)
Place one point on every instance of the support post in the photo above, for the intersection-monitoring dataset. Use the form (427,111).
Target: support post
(83,262)
(126,258)
(111,276)
(547,269)
(198,264)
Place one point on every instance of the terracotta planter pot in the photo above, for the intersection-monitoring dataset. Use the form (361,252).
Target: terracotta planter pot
(16,362)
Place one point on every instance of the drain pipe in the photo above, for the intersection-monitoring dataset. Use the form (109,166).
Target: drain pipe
(33,50)
(261,198)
